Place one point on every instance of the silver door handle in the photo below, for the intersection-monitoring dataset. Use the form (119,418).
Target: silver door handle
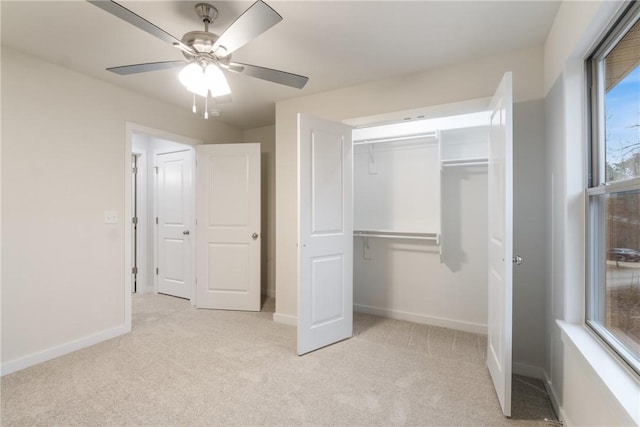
(517,260)
(185,232)
(254,236)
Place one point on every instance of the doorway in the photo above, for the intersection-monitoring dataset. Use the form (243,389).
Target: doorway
(165,245)
(326,229)
(141,248)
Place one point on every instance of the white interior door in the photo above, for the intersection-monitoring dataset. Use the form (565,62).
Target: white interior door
(500,176)
(174,195)
(325,237)
(228,226)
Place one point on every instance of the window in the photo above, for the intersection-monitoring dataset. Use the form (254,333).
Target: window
(613,193)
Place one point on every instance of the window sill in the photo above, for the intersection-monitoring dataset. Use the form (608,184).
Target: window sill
(622,384)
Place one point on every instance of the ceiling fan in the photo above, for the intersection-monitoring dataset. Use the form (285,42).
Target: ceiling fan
(206,53)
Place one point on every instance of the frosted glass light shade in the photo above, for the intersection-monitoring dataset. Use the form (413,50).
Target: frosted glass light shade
(216,81)
(200,81)
(192,77)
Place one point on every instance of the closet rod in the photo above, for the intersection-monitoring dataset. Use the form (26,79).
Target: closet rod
(465,162)
(431,135)
(391,235)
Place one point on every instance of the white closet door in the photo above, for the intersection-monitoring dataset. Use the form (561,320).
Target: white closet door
(325,237)
(228,227)
(500,182)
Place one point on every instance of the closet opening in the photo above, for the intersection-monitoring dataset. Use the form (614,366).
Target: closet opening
(419,220)
(440,225)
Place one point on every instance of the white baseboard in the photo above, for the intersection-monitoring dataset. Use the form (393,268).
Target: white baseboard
(287,319)
(527,370)
(553,397)
(475,328)
(61,350)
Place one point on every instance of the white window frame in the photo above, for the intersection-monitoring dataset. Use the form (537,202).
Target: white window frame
(597,188)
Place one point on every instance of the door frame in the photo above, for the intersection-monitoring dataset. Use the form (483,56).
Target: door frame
(131,129)
(141,209)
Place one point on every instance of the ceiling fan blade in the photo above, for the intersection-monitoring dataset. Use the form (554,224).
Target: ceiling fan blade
(276,76)
(143,68)
(253,22)
(136,20)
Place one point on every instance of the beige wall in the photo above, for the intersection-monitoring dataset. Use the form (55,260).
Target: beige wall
(63,165)
(470,80)
(266,136)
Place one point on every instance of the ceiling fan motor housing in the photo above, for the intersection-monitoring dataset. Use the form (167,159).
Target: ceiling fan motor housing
(206,12)
(202,41)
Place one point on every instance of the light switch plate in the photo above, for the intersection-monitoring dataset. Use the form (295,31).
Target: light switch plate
(110,217)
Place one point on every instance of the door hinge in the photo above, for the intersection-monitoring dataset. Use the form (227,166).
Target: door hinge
(156,168)
(134,170)
(134,220)
(156,220)
(134,270)
(156,271)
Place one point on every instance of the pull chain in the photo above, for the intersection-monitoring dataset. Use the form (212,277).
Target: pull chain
(206,107)
(194,103)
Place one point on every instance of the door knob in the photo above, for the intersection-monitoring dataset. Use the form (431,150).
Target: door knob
(517,260)
(254,236)
(185,232)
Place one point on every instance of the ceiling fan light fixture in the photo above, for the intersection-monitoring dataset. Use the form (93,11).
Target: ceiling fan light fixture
(201,80)
(206,51)
(216,81)
(192,77)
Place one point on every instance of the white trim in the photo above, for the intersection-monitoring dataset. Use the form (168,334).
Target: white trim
(553,396)
(136,128)
(527,370)
(622,384)
(476,328)
(435,111)
(143,280)
(128,151)
(61,350)
(286,319)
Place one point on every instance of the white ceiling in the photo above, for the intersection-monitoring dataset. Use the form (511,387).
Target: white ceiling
(334,43)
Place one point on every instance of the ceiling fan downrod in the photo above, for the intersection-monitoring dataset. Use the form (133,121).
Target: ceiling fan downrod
(207,14)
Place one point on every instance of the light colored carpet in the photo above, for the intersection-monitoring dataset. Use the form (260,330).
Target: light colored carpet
(185,367)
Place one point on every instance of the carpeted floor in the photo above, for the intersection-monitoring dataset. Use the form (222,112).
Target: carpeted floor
(186,367)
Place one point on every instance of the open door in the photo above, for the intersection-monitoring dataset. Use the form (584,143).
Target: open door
(325,236)
(174,194)
(228,226)
(500,186)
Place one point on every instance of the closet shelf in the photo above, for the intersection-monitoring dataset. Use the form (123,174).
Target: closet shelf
(471,161)
(429,135)
(435,237)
